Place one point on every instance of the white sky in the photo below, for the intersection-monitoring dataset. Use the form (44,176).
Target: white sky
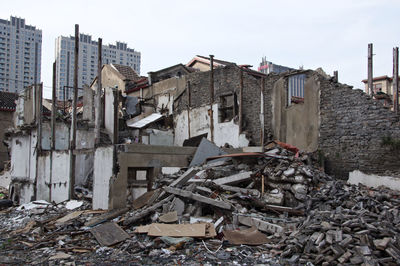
(330,34)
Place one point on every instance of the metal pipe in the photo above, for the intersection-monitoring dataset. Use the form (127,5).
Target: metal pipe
(211,97)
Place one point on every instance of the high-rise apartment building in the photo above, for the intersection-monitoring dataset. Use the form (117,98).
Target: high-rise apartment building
(20,54)
(267,67)
(87,64)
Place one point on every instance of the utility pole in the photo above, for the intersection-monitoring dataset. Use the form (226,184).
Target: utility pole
(370,72)
(97,104)
(211,97)
(73,119)
(396,79)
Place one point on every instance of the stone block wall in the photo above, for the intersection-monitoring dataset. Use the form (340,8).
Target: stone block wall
(352,129)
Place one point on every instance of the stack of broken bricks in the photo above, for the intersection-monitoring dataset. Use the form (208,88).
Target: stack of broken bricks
(279,200)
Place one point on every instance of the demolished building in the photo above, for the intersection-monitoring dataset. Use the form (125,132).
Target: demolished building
(232,105)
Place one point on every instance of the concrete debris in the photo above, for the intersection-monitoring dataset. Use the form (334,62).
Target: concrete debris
(170,217)
(276,209)
(109,234)
(73,204)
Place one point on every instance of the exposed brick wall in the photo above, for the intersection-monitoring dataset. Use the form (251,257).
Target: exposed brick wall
(227,80)
(351,131)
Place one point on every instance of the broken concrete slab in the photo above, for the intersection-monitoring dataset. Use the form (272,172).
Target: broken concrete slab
(249,236)
(184,178)
(206,149)
(234,179)
(108,234)
(260,224)
(245,191)
(197,197)
(179,206)
(144,199)
(170,217)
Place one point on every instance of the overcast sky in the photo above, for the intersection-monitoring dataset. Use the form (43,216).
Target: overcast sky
(333,35)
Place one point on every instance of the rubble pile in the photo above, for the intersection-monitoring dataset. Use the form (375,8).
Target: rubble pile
(274,207)
(346,224)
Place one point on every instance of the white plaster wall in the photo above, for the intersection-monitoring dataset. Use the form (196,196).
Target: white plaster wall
(33,155)
(84,139)
(20,151)
(165,100)
(27,193)
(62,136)
(60,177)
(103,164)
(46,134)
(43,178)
(227,132)
(180,128)
(83,167)
(160,137)
(109,111)
(374,181)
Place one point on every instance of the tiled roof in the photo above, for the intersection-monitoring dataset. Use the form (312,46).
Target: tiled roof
(127,72)
(8,101)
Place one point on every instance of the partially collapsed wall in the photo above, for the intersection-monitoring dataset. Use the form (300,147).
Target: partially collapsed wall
(227,82)
(353,131)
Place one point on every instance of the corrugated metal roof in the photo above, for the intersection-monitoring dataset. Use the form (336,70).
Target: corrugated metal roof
(145,121)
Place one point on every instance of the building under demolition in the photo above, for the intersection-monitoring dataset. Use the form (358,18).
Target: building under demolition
(145,122)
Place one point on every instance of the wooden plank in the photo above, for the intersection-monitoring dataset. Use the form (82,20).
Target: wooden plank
(178,230)
(105,217)
(68,217)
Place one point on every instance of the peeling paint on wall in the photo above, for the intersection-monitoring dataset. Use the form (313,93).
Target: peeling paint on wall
(226,132)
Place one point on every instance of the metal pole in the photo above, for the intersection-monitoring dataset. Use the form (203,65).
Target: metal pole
(396,79)
(241,102)
(53,109)
(98,105)
(370,72)
(73,119)
(211,97)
